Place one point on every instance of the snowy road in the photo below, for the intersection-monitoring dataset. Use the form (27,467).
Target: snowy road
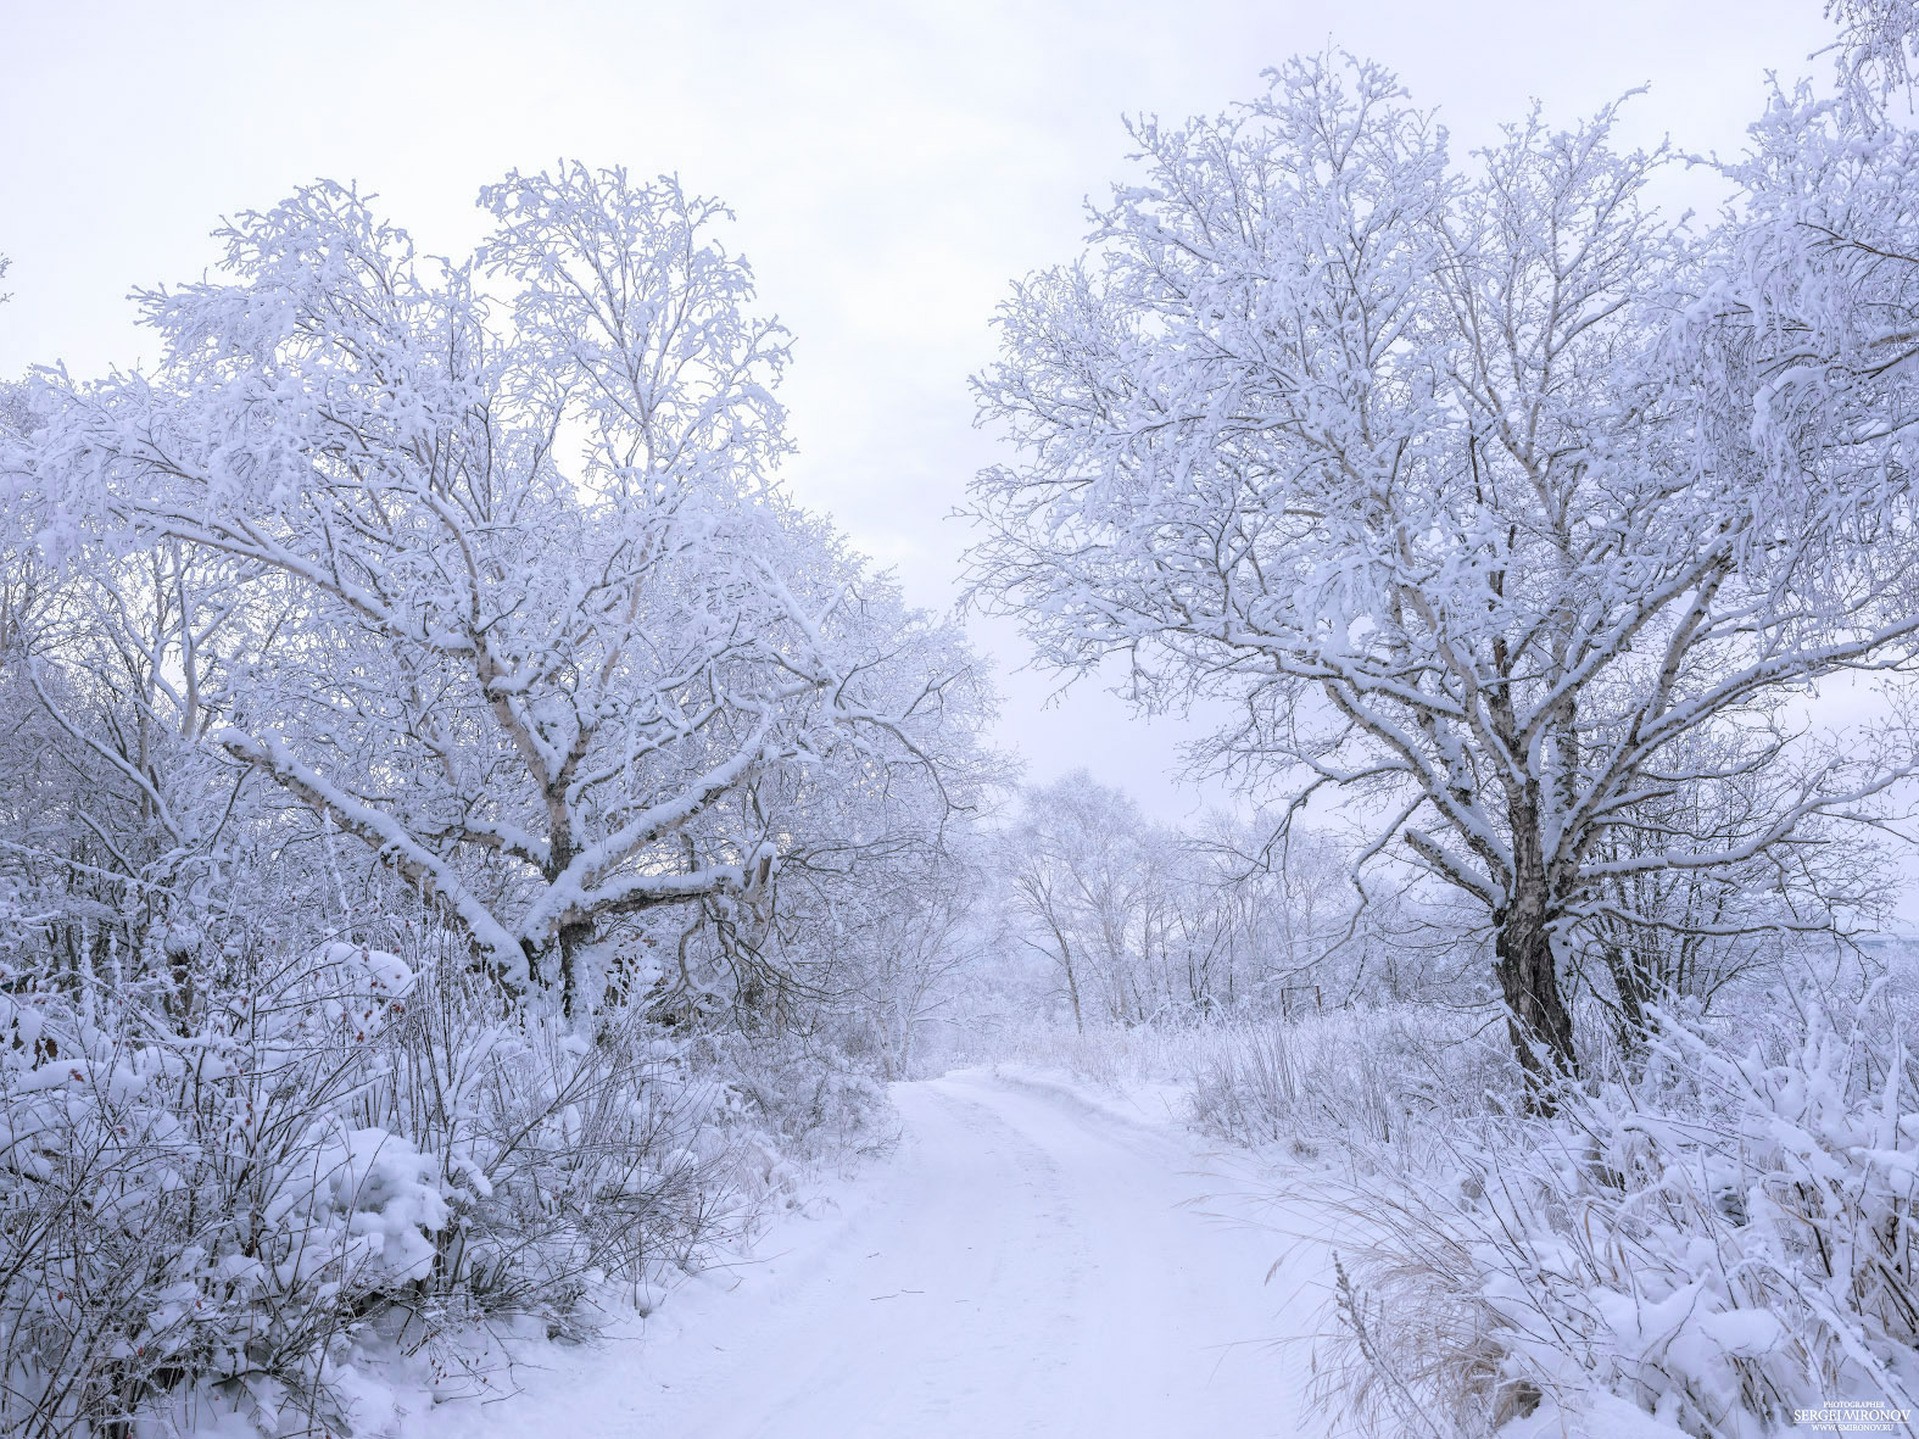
(1028,1263)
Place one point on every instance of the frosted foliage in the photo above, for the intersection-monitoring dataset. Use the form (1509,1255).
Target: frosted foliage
(455,811)
(1144,923)
(216,1221)
(1877,39)
(501,583)
(1483,493)
(1723,1240)
(204,1203)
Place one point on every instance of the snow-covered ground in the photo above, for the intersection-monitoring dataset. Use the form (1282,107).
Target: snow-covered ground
(1032,1259)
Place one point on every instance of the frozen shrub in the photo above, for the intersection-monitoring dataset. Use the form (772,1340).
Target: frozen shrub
(1721,1240)
(351,1145)
(788,1099)
(1390,1078)
(570,1159)
(197,1209)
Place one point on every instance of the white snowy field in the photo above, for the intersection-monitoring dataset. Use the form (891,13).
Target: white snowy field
(1029,1260)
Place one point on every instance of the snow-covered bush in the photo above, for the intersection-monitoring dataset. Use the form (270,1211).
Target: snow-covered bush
(571,1159)
(1390,1078)
(345,1147)
(1722,1239)
(1713,1239)
(200,1209)
(790,1101)
(1380,1085)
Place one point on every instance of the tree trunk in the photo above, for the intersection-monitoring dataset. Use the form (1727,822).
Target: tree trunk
(1072,979)
(1072,989)
(573,938)
(1537,1018)
(1634,986)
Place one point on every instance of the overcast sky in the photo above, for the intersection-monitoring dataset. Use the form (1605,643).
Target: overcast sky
(893,166)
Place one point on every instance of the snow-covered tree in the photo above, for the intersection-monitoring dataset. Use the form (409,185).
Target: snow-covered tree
(1142,922)
(416,637)
(509,592)
(1877,40)
(1079,869)
(1475,493)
